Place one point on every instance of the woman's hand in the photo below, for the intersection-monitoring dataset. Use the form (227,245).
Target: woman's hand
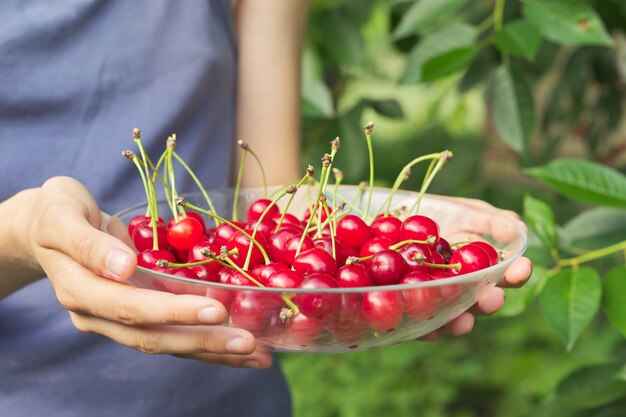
(59,231)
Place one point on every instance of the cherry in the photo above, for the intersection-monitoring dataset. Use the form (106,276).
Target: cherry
(237,278)
(289,219)
(258,207)
(285,278)
(352,276)
(382,310)
(132,224)
(374,245)
(415,254)
(198,217)
(224,231)
(347,323)
(264,271)
(205,272)
(420,303)
(325,243)
(198,251)
(185,233)
(321,213)
(303,330)
(223,275)
(449,292)
(470,258)
(265,227)
(386,267)
(148,258)
(418,227)
(442,247)
(315,260)
(353,231)
(494,256)
(181,272)
(222,295)
(291,246)
(252,311)
(388,227)
(143,233)
(317,305)
(276,244)
(243,244)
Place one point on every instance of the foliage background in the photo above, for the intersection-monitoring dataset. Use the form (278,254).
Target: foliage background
(505,88)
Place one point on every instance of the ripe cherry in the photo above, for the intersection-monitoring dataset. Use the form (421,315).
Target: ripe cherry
(285,278)
(252,311)
(205,272)
(243,244)
(325,243)
(148,258)
(420,303)
(318,305)
(442,247)
(415,254)
(388,227)
(315,260)
(291,246)
(303,330)
(386,267)
(237,278)
(142,236)
(418,227)
(494,256)
(276,244)
(374,245)
(352,276)
(132,224)
(256,209)
(224,231)
(264,271)
(383,310)
(198,217)
(469,258)
(289,219)
(353,231)
(185,233)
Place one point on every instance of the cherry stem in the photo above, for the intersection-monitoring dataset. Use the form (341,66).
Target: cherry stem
(258,161)
(212,215)
(284,297)
(238,185)
(310,220)
(291,197)
(338,179)
(285,191)
(429,241)
(331,227)
(455,266)
(151,206)
(198,183)
(442,159)
(212,259)
(368,137)
(403,176)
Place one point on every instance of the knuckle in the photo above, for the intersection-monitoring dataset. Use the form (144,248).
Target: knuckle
(150,344)
(80,323)
(126,314)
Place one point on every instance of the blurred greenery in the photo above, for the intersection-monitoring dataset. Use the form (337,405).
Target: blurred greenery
(507,86)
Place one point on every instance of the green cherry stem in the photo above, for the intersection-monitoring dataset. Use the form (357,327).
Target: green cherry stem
(291,197)
(443,158)
(184,203)
(431,240)
(242,162)
(258,161)
(325,164)
(198,184)
(338,178)
(368,128)
(151,207)
(213,258)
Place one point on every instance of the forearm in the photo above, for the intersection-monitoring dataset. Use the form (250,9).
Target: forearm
(270,37)
(17,267)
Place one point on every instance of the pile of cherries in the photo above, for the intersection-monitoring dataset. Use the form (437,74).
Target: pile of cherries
(386,252)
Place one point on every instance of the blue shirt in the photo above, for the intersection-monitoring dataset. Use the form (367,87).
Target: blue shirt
(75,77)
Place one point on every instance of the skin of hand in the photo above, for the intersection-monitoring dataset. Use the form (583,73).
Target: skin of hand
(57,233)
(484,218)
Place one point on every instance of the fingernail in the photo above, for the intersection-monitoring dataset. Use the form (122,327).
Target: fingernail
(208,314)
(116,262)
(235,345)
(251,364)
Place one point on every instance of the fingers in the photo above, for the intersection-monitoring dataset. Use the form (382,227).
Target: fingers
(257,360)
(460,326)
(68,220)
(517,273)
(490,302)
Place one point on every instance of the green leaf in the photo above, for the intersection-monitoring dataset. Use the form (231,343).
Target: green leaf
(316,98)
(614,297)
(450,48)
(519,38)
(596,228)
(591,386)
(570,300)
(513,107)
(540,219)
(390,108)
(424,15)
(584,181)
(568,22)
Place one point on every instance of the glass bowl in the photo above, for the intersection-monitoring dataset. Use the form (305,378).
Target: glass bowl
(351,319)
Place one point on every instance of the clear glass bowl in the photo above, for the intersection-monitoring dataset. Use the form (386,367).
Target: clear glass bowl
(402,312)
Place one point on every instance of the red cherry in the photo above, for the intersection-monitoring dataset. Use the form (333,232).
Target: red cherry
(415,254)
(470,258)
(450,293)
(289,219)
(237,278)
(420,303)
(243,244)
(419,227)
(181,272)
(205,273)
(494,256)
(185,233)
(142,236)
(223,275)
(353,276)
(256,209)
(303,330)
(320,212)
(387,227)
(347,323)
(277,242)
(325,243)
(132,224)
(264,271)
(252,311)
(198,217)
(318,305)
(374,245)
(383,310)
(386,267)
(224,231)
(291,246)
(442,247)
(265,227)
(285,278)
(315,260)
(353,231)
(148,258)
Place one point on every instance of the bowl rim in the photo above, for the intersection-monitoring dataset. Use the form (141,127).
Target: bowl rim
(471,277)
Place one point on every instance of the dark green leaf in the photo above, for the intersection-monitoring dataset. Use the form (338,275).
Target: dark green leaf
(519,299)
(591,386)
(440,44)
(596,228)
(520,38)
(389,108)
(513,108)
(424,15)
(584,181)
(568,22)
(614,297)
(570,300)
(540,219)
(448,63)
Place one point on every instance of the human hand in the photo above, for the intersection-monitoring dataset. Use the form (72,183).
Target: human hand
(61,228)
(482,217)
